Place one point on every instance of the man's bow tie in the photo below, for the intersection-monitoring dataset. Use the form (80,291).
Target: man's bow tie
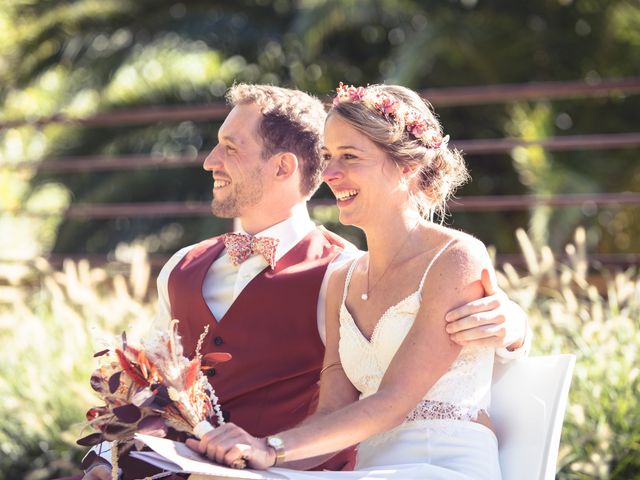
(241,246)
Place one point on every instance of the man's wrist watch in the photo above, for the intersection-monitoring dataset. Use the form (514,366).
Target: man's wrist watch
(277,444)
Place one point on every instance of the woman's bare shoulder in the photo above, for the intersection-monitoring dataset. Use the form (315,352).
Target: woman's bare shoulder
(464,253)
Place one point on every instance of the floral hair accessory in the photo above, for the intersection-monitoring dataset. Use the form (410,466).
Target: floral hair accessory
(391,109)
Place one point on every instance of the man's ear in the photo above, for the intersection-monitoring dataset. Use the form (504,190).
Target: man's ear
(286,165)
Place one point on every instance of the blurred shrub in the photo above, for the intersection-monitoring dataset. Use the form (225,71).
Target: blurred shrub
(50,328)
(600,324)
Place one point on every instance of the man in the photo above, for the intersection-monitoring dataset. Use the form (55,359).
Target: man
(267,310)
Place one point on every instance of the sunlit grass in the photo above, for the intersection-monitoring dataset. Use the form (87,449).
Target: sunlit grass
(51,324)
(569,314)
(49,330)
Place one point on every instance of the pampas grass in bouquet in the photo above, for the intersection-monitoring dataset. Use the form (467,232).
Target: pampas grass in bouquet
(152,387)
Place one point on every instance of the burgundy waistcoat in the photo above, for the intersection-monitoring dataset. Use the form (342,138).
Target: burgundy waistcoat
(271,331)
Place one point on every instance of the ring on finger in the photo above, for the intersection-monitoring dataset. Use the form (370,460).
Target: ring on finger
(239,463)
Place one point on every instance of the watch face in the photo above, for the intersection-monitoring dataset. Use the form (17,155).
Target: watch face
(276,442)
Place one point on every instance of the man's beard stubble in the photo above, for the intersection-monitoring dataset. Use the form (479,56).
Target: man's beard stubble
(245,194)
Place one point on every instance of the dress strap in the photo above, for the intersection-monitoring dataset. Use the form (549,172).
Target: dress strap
(347,280)
(433,260)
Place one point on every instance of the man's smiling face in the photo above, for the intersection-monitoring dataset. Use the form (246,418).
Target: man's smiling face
(237,164)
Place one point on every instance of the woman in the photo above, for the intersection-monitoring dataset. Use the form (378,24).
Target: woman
(392,381)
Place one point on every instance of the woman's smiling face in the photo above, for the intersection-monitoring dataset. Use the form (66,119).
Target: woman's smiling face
(358,172)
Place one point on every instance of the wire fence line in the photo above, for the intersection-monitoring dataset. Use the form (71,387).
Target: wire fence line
(448,97)
(469,203)
(157,261)
(441,97)
(489,146)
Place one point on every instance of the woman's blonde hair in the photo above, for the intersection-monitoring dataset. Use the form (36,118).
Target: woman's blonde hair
(440,170)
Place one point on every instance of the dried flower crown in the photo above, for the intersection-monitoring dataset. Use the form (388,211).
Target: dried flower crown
(391,109)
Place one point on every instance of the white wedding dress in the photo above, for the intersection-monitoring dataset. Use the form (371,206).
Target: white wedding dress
(438,439)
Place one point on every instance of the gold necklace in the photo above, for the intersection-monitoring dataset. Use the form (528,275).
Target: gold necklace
(365,295)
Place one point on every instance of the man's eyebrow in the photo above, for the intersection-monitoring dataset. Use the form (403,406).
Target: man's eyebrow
(229,138)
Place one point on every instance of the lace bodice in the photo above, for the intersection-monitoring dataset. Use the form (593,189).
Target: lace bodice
(459,394)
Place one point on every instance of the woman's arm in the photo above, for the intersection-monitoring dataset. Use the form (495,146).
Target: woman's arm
(336,391)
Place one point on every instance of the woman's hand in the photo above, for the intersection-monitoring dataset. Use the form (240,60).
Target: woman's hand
(229,444)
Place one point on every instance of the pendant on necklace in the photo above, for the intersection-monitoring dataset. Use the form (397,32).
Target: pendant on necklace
(364,296)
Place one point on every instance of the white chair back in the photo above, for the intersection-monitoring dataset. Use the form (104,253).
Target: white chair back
(528,401)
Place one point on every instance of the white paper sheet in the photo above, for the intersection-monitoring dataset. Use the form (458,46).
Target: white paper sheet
(177,457)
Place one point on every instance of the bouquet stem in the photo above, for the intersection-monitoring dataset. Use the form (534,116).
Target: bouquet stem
(115,470)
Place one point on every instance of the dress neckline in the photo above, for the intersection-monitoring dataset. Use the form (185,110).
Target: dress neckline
(381,319)
(385,314)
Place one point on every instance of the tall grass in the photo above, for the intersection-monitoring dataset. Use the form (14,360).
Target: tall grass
(50,326)
(601,325)
(52,322)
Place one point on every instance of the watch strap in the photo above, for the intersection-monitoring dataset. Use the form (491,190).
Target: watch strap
(277,444)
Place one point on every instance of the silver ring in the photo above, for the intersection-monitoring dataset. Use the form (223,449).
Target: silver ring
(239,463)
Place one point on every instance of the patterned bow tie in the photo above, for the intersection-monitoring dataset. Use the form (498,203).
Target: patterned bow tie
(241,246)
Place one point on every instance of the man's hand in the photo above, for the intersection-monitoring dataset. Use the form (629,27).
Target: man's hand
(99,471)
(493,320)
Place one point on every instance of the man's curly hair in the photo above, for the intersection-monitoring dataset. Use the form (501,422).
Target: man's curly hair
(292,121)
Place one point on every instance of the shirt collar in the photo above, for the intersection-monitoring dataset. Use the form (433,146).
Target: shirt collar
(289,231)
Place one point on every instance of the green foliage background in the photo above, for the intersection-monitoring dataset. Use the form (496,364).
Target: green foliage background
(83,57)
(89,56)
